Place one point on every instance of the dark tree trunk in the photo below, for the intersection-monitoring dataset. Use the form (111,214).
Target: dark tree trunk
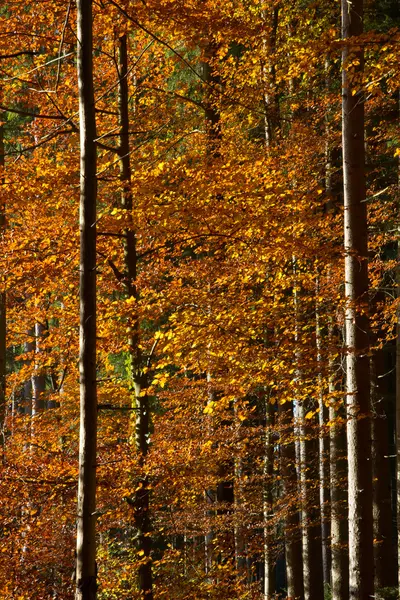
(86,523)
(141,501)
(384,548)
(2,302)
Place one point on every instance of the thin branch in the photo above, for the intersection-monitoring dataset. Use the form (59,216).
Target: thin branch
(21,53)
(180,96)
(156,38)
(26,113)
(46,139)
(39,67)
(153,348)
(61,45)
(111,234)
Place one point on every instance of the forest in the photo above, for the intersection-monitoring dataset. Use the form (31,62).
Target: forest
(199,300)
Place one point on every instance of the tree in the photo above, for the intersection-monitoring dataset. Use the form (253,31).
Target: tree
(361,566)
(86,575)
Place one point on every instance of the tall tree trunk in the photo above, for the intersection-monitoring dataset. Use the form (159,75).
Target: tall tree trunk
(397,410)
(338,490)
(86,522)
(268,504)
(311,516)
(3,322)
(323,452)
(292,527)
(339,567)
(141,502)
(384,550)
(361,564)
(308,467)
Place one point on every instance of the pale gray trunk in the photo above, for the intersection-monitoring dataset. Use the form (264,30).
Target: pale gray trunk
(323,452)
(86,586)
(361,564)
(337,445)
(311,518)
(268,502)
(338,488)
(292,525)
(308,465)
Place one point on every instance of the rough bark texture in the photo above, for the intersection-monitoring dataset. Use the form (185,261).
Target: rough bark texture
(86,522)
(361,565)
(384,548)
(292,529)
(141,501)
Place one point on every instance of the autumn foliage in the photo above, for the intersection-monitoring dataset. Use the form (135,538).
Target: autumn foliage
(238,304)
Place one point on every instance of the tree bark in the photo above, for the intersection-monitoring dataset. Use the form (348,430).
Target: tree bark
(323,452)
(311,516)
(86,522)
(361,566)
(3,322)
(268,504)
(338,491)
(271,101)
(292,528)
(141,501)
(384,549)
(38,379)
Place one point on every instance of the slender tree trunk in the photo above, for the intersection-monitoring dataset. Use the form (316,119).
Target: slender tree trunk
(397,415)
(271,102)
(308,469)
(384,549)
(268,501)
(86,585)
(339,557)
(323,452)
(29,346)
(338,491)
(141,502)
(38,379)
(292,526)
(361,565)
(3,322)
(311,516)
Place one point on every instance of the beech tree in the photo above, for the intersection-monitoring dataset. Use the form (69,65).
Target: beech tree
(86,584)
(361,567)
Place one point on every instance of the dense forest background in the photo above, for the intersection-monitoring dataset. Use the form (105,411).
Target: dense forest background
(240,160)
